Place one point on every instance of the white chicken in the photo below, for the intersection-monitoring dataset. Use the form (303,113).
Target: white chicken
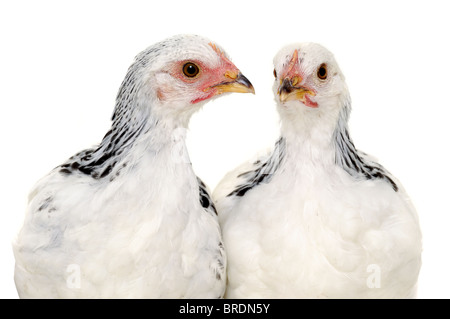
(316,218)
(129,218)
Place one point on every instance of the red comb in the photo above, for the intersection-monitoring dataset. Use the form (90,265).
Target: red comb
(292,62)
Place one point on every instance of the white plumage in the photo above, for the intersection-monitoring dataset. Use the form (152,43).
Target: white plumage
(316,218)
(129,218)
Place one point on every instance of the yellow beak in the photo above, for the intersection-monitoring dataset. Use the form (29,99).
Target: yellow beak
(239,84)
(289,92)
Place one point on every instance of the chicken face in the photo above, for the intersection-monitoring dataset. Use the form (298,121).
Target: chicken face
(307,73)
(193,71)
(204,81)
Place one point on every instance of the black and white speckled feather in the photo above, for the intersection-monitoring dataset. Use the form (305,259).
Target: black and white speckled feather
(205,197)
(262,170)
(128,124)
(354,162)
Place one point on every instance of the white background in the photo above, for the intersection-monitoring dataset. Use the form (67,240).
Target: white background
(61,64)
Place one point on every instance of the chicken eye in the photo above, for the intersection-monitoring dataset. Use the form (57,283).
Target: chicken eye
(190,70)
(322,71)
(275,73)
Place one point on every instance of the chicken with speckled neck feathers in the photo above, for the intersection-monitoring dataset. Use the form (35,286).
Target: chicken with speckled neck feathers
(316,218)
(127,219)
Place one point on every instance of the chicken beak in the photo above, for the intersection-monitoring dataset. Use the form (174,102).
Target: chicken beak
(235,82)
(289,92)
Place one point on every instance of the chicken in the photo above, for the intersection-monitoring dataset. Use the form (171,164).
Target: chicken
(129,218)
(315,217)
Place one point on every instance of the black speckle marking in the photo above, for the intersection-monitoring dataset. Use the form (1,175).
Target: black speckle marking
(218,274)
(75,165)
(45,203)
(47,206)
(65,171)
(86,169)
(86,158)
(205,198)
(106,171)
(219,266)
